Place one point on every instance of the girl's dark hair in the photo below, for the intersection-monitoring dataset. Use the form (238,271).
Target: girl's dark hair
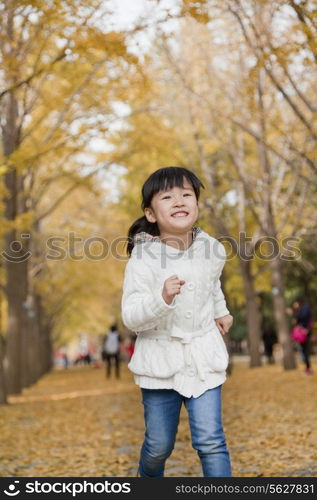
(161,180)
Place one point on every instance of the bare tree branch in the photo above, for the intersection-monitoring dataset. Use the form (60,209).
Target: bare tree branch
(79,182)
(257,49)
(311,39)
(27,80)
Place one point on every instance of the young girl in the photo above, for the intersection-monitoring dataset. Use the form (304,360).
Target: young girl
(172,300)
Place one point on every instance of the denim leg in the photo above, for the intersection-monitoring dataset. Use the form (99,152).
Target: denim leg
(205,420)
(161,415)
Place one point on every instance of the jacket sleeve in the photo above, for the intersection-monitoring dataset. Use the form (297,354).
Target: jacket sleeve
(220,306)
(142,304)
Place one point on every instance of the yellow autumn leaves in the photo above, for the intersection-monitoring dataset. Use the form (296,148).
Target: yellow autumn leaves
(78,423)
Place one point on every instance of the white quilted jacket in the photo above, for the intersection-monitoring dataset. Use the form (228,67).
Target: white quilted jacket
(178,346)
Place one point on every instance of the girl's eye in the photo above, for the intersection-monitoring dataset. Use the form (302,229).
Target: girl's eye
(168,196)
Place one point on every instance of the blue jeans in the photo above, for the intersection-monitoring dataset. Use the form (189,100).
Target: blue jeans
(161,414)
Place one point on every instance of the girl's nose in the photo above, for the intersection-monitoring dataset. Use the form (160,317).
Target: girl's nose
(178,200)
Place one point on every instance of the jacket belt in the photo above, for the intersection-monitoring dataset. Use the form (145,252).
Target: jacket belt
(183,337)
(176,334)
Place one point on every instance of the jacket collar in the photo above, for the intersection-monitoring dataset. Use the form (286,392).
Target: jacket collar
(159,247)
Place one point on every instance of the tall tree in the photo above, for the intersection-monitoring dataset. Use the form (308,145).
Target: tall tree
(59,72)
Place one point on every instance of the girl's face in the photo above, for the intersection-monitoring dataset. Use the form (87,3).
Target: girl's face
(175,211)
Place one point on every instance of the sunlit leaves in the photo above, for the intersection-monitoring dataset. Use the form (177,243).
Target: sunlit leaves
(76,423)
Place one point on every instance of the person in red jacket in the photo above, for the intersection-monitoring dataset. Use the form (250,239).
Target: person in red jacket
(303,316)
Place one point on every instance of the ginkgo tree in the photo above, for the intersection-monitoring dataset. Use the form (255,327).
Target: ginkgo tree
(59,72)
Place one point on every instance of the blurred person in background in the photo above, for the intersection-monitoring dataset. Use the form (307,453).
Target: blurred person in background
(302,315)
(111,350)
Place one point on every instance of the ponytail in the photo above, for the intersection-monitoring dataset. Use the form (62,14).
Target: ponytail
(141,224)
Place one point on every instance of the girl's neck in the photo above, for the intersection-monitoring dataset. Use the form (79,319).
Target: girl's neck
(180,241)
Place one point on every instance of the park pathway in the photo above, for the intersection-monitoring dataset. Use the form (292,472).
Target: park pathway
(75,422)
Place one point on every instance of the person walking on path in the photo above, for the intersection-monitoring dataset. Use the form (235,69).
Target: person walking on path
(302,315)
(111,351)
(269,338)
(172,299)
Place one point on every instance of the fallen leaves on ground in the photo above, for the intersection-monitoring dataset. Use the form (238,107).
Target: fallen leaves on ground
(76,422)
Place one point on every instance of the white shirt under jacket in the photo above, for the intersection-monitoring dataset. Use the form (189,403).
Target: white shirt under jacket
(178,346)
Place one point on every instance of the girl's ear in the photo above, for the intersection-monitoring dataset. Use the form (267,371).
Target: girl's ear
(149,215)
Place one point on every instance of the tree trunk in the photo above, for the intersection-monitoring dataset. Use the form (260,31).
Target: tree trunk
(16,345)
(253,314)
(47,348)
(268,217)
(15,256)
(252,308)
(3,388)
(34,337)
(285,340)
(45,351)
(27,340)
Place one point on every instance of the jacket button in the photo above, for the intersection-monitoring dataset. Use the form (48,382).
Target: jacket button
(191,285)
(188,314)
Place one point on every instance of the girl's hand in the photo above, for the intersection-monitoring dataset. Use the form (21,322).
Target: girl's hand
(224,324)
(172,286)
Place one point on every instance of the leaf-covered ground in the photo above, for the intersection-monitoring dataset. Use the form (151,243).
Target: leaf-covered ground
(75,422)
